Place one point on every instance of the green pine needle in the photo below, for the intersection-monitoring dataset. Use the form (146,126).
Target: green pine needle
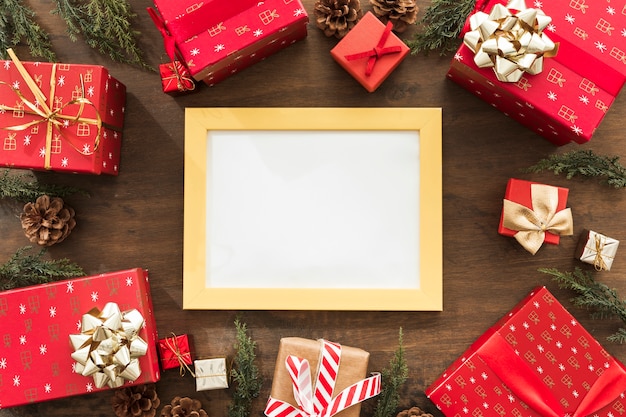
(393,377)
(16,24)
(584,163)
(22,270)
(20,188)
(245,374)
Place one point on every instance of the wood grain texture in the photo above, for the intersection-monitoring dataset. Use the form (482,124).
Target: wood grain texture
(136,219)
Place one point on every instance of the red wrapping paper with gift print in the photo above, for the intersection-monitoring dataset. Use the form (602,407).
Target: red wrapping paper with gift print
(536,361)
(77,129)
(39,322)
(568,99)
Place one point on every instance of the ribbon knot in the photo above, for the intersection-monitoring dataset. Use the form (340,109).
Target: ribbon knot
(376,52)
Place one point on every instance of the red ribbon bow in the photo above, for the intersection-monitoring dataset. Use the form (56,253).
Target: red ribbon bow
(378,51)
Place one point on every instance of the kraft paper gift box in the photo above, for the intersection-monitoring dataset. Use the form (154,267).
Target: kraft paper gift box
(370,52)
(596,249)
(536,361)
(61,117)
(218,39)
(534,213)
(568,99)
(47,329)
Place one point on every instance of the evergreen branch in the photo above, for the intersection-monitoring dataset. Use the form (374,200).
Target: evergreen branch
(393,377)
(592,295)
(18,20)
(442,22)
(21,189)
(22,270)
(584,163)
(245,374)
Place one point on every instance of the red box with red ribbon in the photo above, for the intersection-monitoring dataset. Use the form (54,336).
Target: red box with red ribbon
(567,100)
(536,361)
(50,348)
(61,117)
(216,39)
(370,52)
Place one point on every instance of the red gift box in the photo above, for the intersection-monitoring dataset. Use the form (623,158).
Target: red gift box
(536,361)
(36,363)
(567,100)
(370,52)
(175,352)
(175,78)
(218,38)
(63,117)
(547,203)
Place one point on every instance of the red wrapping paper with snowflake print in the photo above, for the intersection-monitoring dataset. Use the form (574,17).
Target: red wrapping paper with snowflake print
(566,101)
(536,361)
(90,145)
(217,39)
(35,358)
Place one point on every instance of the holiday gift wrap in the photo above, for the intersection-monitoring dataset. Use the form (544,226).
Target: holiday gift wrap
(175,352)
(370,52)
(219,38)
(534,213)
(568,98)
(536,361)
(175,78)
(596,249)
(45,328)
(211,374)
(62,117)
(337,373)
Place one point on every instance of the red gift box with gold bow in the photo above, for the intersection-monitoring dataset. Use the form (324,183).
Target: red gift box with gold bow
(61,117)
(537,361)
(563,97)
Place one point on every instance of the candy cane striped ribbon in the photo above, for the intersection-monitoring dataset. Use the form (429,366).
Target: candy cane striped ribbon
(320,403)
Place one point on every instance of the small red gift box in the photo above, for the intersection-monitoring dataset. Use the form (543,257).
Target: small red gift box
(41,323)
(534,213)
(61,117)
(175,352)
(217,39)
(370,52)
(568,99)
(536,361)
(175,78)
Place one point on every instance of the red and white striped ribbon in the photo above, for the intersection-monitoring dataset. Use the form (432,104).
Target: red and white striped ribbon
(320,403)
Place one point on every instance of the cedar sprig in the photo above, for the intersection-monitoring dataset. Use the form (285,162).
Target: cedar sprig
(393,377)
(592,295)
(24,269)
(16,24)
(245,373)
(584,163)
(443,21)
(105,26)
(24,190)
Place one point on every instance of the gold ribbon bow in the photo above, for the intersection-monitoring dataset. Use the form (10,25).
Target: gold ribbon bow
(598,261)
(44,109)
(510,44)
(532,224)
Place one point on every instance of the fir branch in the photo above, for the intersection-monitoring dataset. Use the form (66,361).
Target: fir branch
(592,295)
(21,189)
(22,270)
(17,23)
(584,163)
(245,374)
(442,22)
(393,378)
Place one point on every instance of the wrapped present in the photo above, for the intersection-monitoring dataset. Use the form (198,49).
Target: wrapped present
(70,337)
(175,78)
(370,51)
(536,361)
(338,390)
(562,98)
(534,213)
(175,352)
(217,39)
(210,374)
(61,117)
(596,249)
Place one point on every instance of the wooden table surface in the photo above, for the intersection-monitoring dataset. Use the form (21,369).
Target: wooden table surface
(136,219)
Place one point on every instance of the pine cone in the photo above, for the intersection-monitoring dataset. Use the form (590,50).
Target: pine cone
(402,13)
(184,407)
(136,401)
(414,412)
(47,221)
(337,17)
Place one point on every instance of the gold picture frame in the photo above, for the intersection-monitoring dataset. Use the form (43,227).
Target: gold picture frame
(203,127)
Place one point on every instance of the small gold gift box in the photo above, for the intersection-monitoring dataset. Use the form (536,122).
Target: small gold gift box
(211,374)
(596,249)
